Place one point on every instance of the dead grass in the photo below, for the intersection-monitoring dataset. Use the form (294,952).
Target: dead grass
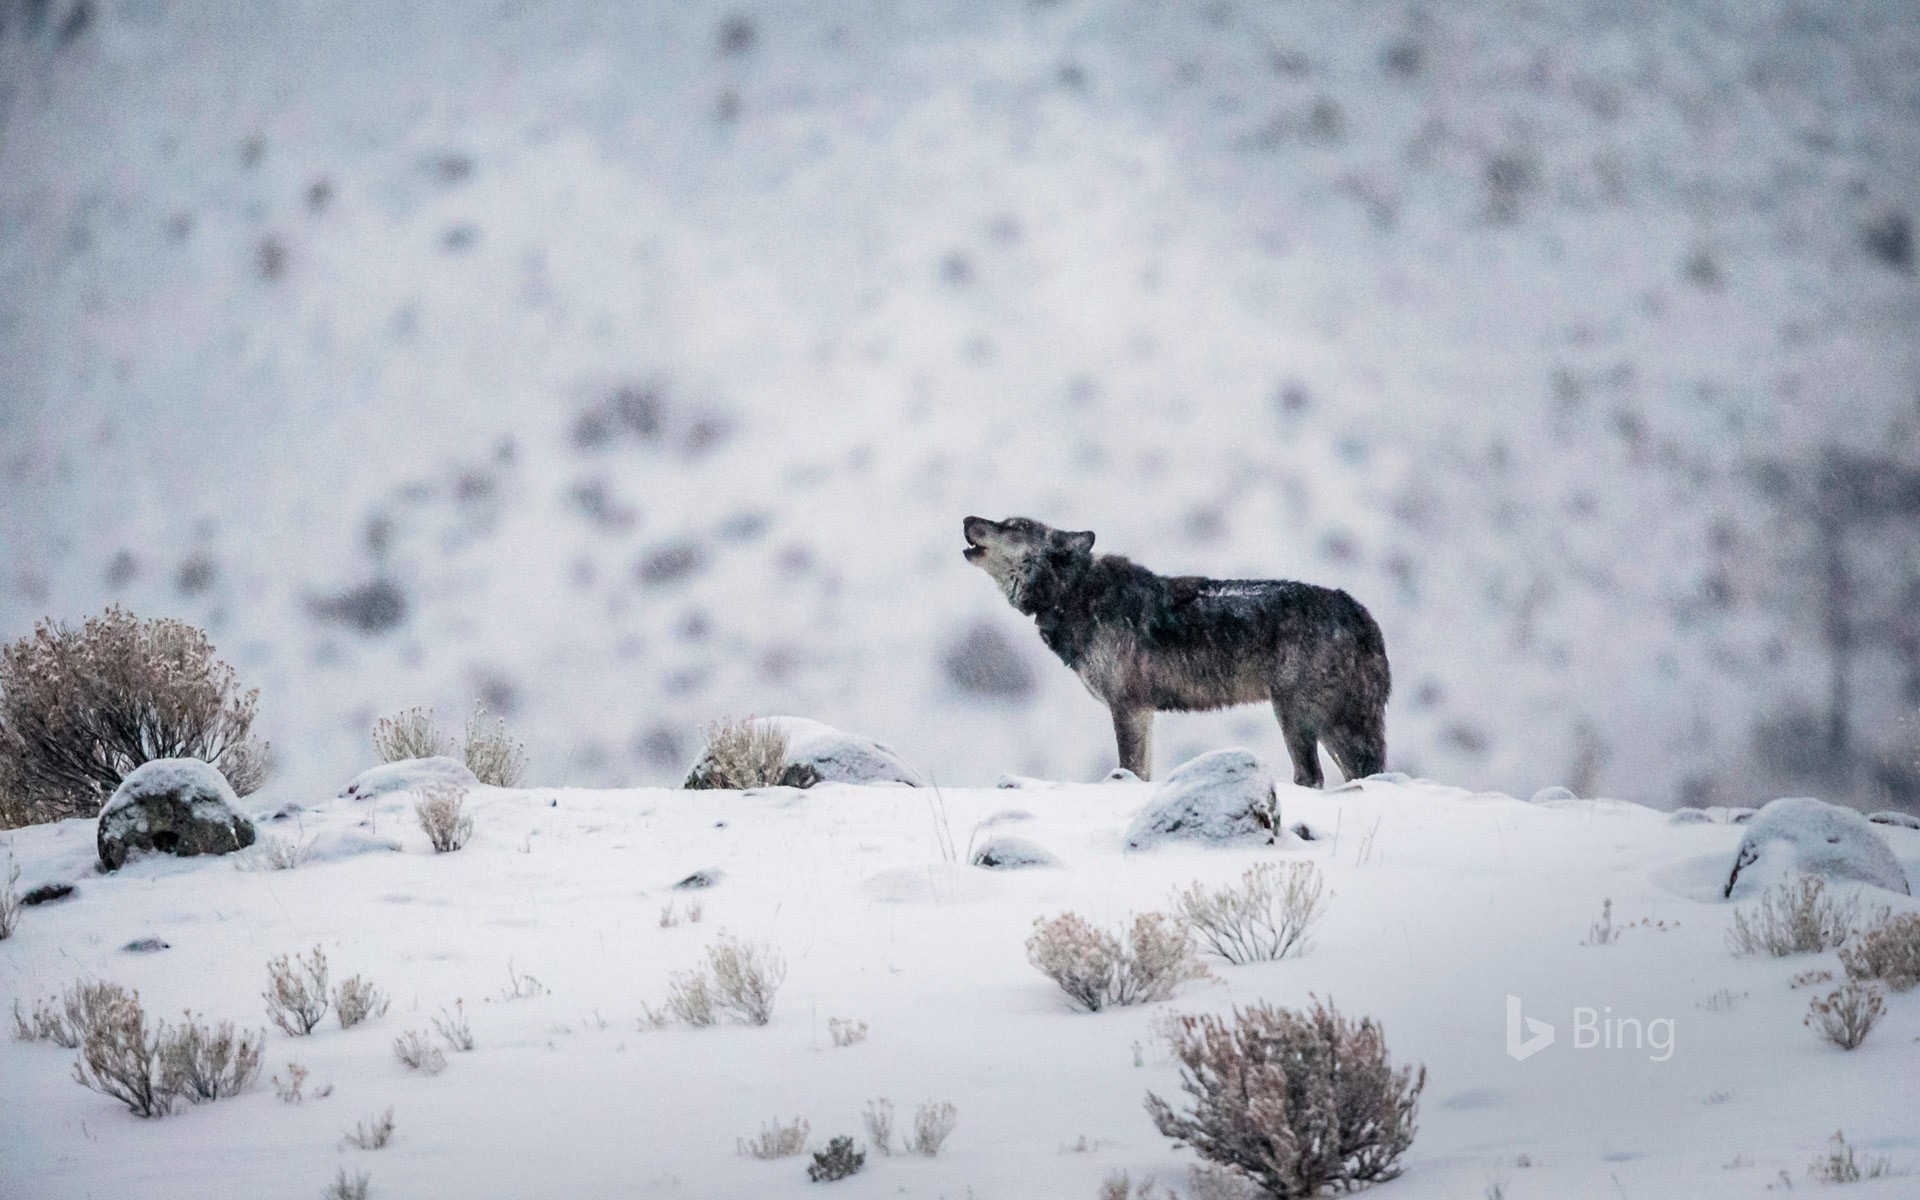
(347,1187)
(1799,916)
(777,1140)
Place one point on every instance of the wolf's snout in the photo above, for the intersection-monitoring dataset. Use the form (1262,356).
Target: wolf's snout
(973,529)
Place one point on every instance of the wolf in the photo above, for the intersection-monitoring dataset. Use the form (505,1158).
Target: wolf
(1145,643)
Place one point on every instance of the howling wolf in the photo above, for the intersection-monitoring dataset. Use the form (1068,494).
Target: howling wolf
(1144,643)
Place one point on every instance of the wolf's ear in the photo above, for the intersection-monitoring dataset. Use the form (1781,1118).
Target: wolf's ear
(1081,542)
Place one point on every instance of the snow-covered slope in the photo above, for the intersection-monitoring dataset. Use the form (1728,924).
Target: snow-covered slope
(1442,904)
(632,365)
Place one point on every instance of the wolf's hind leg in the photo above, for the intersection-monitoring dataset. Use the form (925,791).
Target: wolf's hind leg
(1303,745)
(1133,731)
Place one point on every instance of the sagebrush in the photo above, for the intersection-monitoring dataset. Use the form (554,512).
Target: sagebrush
(81,708)
(409,733)
(493,755)
(441,809)
(1842,1164)
(1262,918)
(149,1067)
(1097,970)
(1846,1016)
(1888,952)
(417,1051)
(1297,1102)
(777,1139)
(356,1000)
(67,1023)
(373,1134)
(741,754)
(1798,916)
(296,992)
(933,1124)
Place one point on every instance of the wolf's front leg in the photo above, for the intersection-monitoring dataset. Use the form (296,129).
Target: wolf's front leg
(1133,730)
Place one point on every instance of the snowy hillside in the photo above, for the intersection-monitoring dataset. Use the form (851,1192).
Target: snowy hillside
(1440,904)
(633,365)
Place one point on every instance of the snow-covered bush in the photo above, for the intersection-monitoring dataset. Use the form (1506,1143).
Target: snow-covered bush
(296,992)
(79,709)
(495,757)
(409,733)
(1889,952)
(933,1124)
(1262,918)
(745,979)
(441,810)
(690,997)
(1298,1102)
(417,1051)
(837,1161)
(1845,1017)
(741,754)
(372,1134)
(356,1000)
(776,1140)
(150,1068)
(1796,917)
(1097,970)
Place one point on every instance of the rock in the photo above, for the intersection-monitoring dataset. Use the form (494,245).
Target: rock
(1011,853)
(47,893)
(287,812)
(818,753)
(1690,816)
(1556,792)
(1900,819)
(409,774)
(699,879)
(1814,838)
(1740,816)
(146,945)
(1121,775)
(179,806)
(1304,833)
(1224,796)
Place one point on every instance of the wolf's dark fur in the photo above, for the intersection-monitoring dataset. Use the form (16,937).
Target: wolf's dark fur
(1143,643)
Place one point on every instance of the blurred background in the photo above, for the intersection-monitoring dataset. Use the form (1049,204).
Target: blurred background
(625,366)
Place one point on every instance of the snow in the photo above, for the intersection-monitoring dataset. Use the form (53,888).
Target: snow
(1813,838)
(839,756)
(1441,903)
(1220,796)
(206,789)
(407,775)
(1011,853)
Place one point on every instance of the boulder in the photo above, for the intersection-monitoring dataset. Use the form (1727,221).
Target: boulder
(1010,853)
(818,753)
(178,806)
(408,775)
(1813,838)
(1223,796)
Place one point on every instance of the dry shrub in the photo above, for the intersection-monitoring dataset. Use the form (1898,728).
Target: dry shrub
(776,1140)
(419,1053)
(837,1161)
(745,979)
(356,1000)
(1096,970)
(80,1008)
(80,709)
(1297,1102)
(10,901)
(1263,918)
(1846,1017)
(148,1070)
(453,1028)
(846,1033)
(1889,952)
(741,754)
(373,1134)
(409,733)
(1120,1186)
(1841,1164)
(933,1124)
(690,997)
(878,1118)
(345,1187)
(289,1089)
(493,756)
(1799,916)
(441,809)
(297,998)
(203,1062)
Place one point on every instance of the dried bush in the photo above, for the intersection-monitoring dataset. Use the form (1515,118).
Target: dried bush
(345,1187)
(419,1053)
(1889,952)
(846,1033)
(1841,1164)
(776,1140)
(409,733)
(1096,970)
(453,1029)
(745,979)
(1297,1102)
(81,1007)
(1120,1186)
(203,1063)
(10,901)
(297,998)
(837,1161)
(878,1118)
(494,757)
(441,809)
(690,997)
(521,986)
(1263,918)
(79,709)
(373,1134)
(933,1124)
(356,1000)
(1799,916)
(121,1058)
(1846,1017)
(741,754)
(289,1089)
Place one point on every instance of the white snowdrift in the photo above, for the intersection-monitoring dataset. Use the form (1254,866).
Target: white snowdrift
(1812,837)
(408,775)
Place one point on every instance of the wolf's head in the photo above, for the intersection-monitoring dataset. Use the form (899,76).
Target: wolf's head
(1027,559)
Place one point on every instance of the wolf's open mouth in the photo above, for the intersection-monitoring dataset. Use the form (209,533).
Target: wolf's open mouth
(974,553)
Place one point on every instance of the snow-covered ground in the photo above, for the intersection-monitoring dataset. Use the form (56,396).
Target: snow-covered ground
(1444,903)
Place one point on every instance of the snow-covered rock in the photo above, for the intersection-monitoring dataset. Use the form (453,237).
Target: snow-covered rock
(1011,853)
(1690,816)
(1813,838)
(1222,796)
(407,775)
(1121,775)
(1547,795)
(819,753)
(179,806)
(1899,819)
